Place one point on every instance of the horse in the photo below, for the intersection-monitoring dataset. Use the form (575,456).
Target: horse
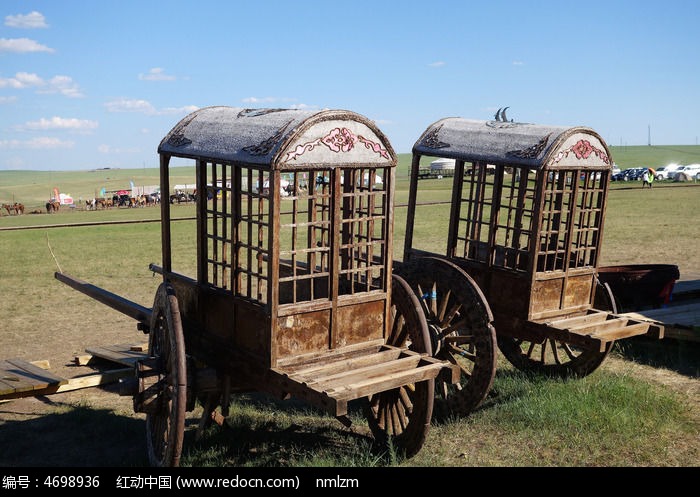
(10,209)
(19,208)
(52,206)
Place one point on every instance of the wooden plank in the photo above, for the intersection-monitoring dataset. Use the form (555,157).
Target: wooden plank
(592,317)
(592,328)
(43,364)
(95,379)
(337,380)
(79,382)
(631,330)
(121,353)
(383,383)
(326,355)
(344,364)
(18,376)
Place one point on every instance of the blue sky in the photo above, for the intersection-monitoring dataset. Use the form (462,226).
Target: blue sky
(93,84)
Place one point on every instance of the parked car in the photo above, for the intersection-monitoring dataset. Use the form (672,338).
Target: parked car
(666,172)
(691,172)
(633,173)
(616,169)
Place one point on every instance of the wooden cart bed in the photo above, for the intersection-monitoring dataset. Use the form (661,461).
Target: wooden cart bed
(333,379)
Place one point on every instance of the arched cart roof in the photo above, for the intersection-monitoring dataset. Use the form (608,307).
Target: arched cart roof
(278,138)
(531,146)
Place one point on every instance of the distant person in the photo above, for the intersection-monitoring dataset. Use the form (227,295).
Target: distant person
(647,178)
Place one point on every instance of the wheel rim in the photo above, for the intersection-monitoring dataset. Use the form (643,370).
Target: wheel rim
(459,321)
(165,423)
(402,416)
(552,357)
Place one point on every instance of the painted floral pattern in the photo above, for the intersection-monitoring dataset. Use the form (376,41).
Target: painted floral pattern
(339,140)
(582,150)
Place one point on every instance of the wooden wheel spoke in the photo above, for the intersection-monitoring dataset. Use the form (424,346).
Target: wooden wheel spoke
(388,425)
(461,352)
(443,304)
(423,301)
(398,331)
(405,400)
(433,299)
(452,328)
(444,389)
(403,421)
(456,307)
(555,351)
(531,349)
(569,352)
(543,351)
(460,339)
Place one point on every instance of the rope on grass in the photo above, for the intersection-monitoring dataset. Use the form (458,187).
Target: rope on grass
(52,254)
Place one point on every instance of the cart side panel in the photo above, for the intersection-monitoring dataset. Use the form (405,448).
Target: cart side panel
(578,290)
(360,323)
(302,333)
(306,332)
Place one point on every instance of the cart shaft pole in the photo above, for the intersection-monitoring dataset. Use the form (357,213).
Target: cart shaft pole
(125,306)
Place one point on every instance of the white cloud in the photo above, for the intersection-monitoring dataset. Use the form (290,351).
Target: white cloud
(32,20)
(438,63)
(61,123)
(156,74)
(518,63)
(145,107)
(303,107)
(7,100)
(22,80)
(21,45)
(130,105)
(108,149)
(277,100)
(257,100)
(187,109)
(63,85)
(58,84)
(44,142)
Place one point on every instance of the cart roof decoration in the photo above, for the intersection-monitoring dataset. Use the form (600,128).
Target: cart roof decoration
(531,146)
(278,138)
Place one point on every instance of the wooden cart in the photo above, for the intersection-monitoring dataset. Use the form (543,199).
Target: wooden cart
(522,236)
(292,292)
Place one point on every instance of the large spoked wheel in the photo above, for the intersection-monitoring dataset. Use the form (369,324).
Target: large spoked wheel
(460,326)
(401,417)
(552,357)
(165,421)
(555,358)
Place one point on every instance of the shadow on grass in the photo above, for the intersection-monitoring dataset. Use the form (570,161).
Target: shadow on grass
(78,437)
(263,431)
(682,356)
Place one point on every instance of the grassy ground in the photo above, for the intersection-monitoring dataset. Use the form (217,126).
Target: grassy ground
(636,410)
